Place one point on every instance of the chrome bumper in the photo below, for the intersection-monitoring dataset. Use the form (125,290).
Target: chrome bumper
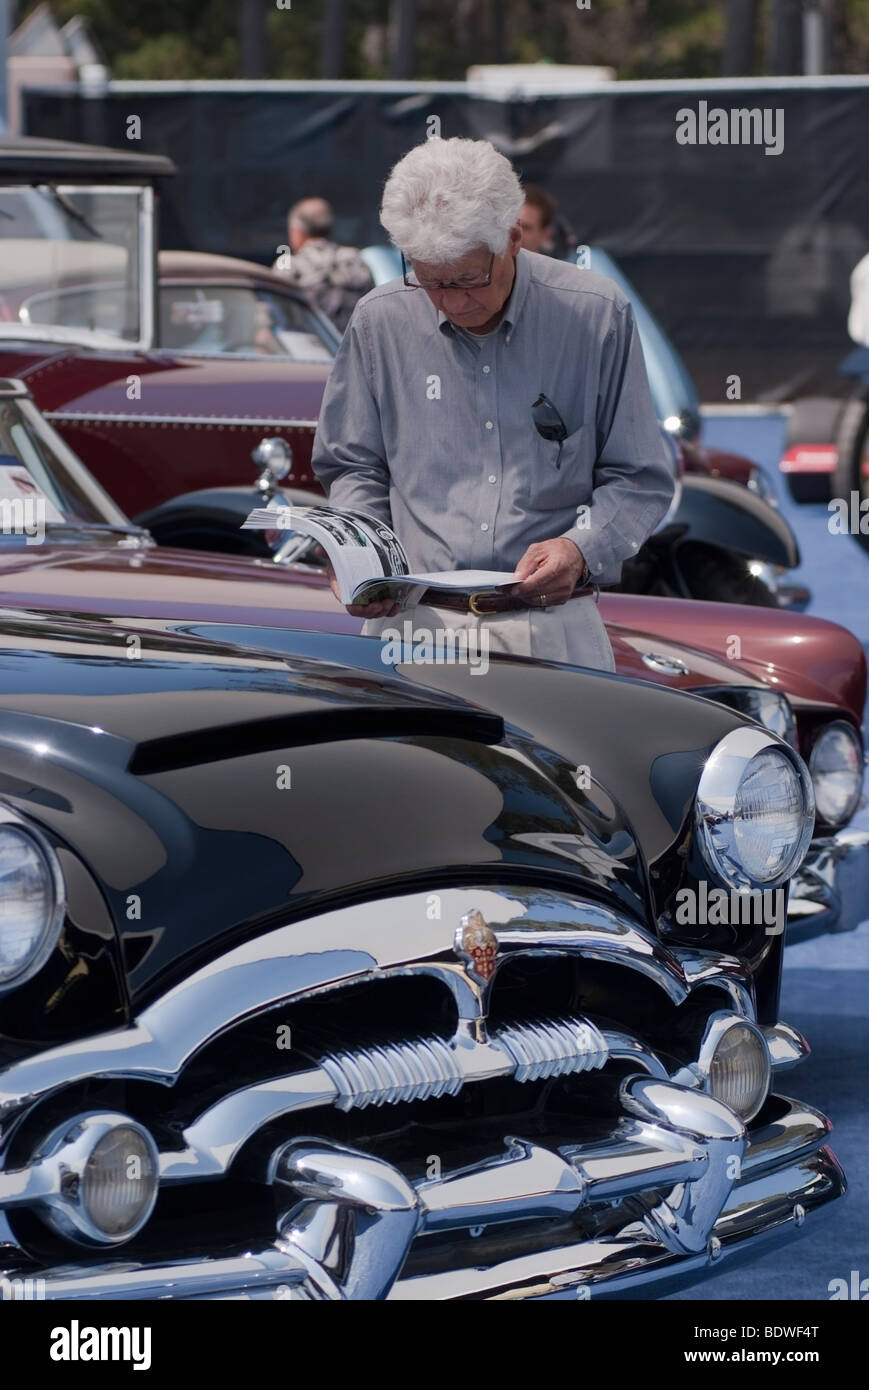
(831,891)
(657,1180)
(360,1229)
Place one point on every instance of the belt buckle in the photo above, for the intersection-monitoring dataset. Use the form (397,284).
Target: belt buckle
(474,600)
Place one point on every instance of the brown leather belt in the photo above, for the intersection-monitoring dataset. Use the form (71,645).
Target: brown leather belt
(488,601)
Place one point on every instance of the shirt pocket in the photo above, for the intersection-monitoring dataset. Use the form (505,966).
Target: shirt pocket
(561,476)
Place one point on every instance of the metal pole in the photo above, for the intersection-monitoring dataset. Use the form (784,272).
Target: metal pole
(334,38)
(404,19)
(5,22)
(814,41)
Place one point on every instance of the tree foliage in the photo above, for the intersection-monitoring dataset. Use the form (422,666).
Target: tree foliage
(185,39)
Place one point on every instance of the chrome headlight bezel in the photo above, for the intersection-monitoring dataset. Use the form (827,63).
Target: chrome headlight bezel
(48,939)
(837,726)
(717,799)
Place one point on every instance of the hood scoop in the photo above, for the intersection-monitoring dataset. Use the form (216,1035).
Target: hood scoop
(237,740)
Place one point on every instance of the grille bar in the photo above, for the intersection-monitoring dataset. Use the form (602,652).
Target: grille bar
(552,1047)
(418,1069)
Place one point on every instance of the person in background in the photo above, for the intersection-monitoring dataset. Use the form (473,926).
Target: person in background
(537,219)
(543,227)
(333,277)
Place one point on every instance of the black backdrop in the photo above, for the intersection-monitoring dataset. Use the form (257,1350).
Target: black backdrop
(744,256)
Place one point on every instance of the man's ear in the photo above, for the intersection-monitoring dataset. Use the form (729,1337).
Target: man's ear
(515,241)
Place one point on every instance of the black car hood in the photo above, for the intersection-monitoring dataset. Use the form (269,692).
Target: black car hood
(213,792)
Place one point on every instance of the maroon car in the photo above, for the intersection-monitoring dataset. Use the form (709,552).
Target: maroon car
(66,547)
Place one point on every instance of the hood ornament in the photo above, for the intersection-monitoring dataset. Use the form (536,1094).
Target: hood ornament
(476,946)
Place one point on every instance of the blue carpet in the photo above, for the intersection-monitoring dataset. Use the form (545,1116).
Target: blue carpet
(826,982)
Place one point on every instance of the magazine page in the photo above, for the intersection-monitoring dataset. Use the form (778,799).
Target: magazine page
(369,561)
(360,548)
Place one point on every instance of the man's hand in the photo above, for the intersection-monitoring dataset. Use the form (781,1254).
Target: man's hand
(384,609)
(549,570)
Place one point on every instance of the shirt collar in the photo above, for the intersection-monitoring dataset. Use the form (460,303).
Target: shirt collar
(513,307)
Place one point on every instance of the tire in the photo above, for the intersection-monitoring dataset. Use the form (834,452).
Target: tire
(851,443)
(720,577)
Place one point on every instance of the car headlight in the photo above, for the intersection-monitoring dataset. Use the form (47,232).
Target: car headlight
(735,1064)
(32,903)
(770,708)
(836,766)
(755,810)
(96,1178)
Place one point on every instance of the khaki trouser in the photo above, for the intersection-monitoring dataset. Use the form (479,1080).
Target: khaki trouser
(571,632)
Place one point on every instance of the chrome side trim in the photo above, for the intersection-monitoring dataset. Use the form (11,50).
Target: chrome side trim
(117,417)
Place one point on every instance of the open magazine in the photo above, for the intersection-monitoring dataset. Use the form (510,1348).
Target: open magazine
(369,560)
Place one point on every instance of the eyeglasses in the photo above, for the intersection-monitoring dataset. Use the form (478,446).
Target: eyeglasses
(470,282)
(548,423)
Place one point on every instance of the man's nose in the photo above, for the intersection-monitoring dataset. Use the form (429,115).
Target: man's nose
(455,301)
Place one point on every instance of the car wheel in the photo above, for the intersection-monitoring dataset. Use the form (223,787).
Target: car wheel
(719,577)
(851,475)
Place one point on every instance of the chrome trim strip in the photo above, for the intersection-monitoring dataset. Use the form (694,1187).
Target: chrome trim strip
(118,417)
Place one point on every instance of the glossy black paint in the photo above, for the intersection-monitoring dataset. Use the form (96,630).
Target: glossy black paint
(389,780)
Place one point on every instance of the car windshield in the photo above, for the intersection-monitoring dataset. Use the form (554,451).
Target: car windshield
(205,317)
(44,489)
(72,258)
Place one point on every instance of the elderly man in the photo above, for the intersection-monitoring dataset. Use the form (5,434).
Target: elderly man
(332,276)
(493,406)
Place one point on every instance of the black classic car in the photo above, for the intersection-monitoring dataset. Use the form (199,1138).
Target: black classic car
(313,986)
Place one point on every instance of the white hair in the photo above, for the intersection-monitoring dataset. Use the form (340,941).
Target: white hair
(447,197)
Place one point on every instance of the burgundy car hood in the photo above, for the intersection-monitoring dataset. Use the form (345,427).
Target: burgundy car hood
(197,387)
(94,383)
(781,652)
(175,585)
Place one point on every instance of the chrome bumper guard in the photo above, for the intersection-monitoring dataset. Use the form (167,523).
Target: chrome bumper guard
(830,893)
(692,1185)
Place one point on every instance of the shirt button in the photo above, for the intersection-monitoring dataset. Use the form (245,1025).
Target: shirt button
(489,425)
(493,477)
(487,370)
(484,526)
